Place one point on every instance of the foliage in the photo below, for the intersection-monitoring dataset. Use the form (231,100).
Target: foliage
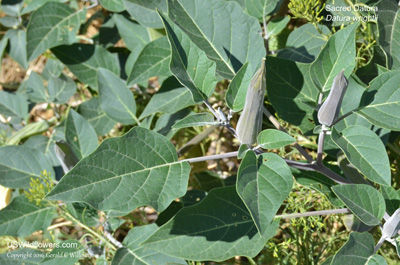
(122,141)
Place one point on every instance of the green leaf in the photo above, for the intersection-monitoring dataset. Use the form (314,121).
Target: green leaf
(84,60)
(276,25)
(52,25)
(113,5)
(19,164)
(363,200)
(272,139)
(365,150)
(381,100)
(290,90)
(53,68)
(139,168)
(304,43)
(262,8)
(189,64)
(45,145)
(356,250)
(92,112)
(195,119)
(22,217)
(222,220)
(171,98)
(116,100)
(376,260)
(13,105)
(263,184)
(84,213)
(34,88)
(208,180)
(212,25)
(152,61)
(35,4)
(144,11)
(12,7)
(166,121)
(135,254)
(236,94)
(61,89)
(392,199)
(80,134)
(389,34)
(339,53)
(17,39)
(134,35)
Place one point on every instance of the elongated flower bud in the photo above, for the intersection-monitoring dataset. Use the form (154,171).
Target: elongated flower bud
(330,110)
(250,122)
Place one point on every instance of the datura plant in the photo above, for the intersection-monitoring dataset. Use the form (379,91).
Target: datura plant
(198,131)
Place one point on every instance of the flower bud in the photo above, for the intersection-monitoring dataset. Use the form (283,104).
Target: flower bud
(250,122)
(330,110)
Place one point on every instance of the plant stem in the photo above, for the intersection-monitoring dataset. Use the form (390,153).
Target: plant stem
(251,261)
(320,150)
(91,231)
(211,157)
(276,123)
(313,213)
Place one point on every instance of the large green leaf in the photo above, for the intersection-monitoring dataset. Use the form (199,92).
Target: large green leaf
(355,251)
(195,119)
(271,139)
(236,94)
(92,112)
(152,61)
(113,5)
(262,8)
(263,183)
(136,169)
(84,60)
(171,98)
(213,25)
(17,39)
(381,101)
(189,64)
(135,254)
(52,25)
(220,220)
(116,99)
(362,200)
(339,53)
(144,11)
(13,105)
(19,164)
(22,217)
(389,31)
(365,150)
(291,91)
(80,134)
(134,35)
(304,44)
